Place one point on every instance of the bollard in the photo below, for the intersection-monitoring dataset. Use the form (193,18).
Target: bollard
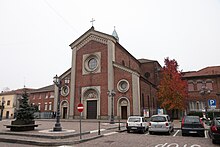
(119,126)
(99,128)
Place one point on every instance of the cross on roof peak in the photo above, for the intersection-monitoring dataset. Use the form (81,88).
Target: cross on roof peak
(92,21)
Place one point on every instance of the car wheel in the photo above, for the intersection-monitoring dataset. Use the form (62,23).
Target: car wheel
(183,134)
(203,134)
(150,132)
(213,141)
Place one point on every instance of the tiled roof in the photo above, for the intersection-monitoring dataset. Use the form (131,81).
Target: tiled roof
(18,91)
(208,71)
(146,60)
(43,89)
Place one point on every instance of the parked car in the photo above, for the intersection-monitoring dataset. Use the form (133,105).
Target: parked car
(137,123)
(160,123)
(214,131)
(192,125)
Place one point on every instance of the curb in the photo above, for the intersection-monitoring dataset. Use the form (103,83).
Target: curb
(50,142)
(47,143)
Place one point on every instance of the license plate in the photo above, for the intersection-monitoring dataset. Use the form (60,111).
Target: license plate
(133,128)
(158,126)
(192,132)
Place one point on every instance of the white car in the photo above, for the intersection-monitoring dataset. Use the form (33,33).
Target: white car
(160,123)
(137,123)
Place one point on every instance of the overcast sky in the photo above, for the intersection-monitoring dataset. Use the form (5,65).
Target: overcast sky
(35,34)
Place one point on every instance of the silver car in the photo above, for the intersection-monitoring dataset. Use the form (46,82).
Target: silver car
(160,123)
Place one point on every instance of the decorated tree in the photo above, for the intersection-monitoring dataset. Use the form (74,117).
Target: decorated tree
(172,89)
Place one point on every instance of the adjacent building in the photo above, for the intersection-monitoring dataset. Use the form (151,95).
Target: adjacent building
(203,89)
(43,98)
(10,101)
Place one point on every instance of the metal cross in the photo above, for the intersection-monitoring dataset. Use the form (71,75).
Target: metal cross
(92,21)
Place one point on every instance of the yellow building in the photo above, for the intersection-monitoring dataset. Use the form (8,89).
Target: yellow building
(10,101)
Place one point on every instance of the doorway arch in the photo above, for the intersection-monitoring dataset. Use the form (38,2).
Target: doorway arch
(91,103)
(64,109)
(123,108)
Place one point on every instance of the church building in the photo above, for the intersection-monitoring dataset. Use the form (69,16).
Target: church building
(107,80)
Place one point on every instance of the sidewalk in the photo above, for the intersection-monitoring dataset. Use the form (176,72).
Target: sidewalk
(44,136)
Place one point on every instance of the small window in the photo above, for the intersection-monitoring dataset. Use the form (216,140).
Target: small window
(39,106)
(209,85)
(199,85)
(190,86)
(123,86)
(50,105)
(8,102)
(45,106)
(123,62)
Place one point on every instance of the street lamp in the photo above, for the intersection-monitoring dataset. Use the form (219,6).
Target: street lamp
(57,82)
(2,107)
(111,94)
(205,91)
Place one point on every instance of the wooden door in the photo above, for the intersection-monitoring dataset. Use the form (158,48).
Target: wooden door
(91,109)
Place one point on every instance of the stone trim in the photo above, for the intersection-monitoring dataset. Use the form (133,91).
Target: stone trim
(126,69)
(89,38)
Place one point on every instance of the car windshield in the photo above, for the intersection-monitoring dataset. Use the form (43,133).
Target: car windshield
(192,119)
(134,120)
(218,122)
(158,119)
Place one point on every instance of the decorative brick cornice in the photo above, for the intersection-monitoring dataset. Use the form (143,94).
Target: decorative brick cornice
(89,38)
(126,69)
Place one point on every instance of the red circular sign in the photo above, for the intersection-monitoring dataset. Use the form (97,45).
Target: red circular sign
(80,107)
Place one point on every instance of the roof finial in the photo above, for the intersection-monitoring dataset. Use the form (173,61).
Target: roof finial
(114,33)
(92,21)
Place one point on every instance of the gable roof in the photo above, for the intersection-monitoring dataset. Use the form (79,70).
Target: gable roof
(43,89)
(17,91)
(207,71)
(90,32)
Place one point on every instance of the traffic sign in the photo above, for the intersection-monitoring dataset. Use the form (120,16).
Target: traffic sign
(80,107)
(212,103)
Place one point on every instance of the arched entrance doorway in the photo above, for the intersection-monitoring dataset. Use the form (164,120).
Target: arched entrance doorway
(123,108)
(64,109)
(91,103)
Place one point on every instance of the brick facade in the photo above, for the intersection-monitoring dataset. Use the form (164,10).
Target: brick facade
(203,85)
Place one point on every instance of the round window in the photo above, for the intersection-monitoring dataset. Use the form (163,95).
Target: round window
(92,63)
(123,86)
(65,90)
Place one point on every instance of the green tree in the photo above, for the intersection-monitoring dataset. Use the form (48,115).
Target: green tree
(172,89)
(26,111)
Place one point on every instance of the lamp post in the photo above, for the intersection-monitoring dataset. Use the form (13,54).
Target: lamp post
(112,94)
(205,91)
(2,107)
(57,82)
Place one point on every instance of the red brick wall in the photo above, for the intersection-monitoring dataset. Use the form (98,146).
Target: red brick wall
(97,79)
(130,62)
(119,75)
